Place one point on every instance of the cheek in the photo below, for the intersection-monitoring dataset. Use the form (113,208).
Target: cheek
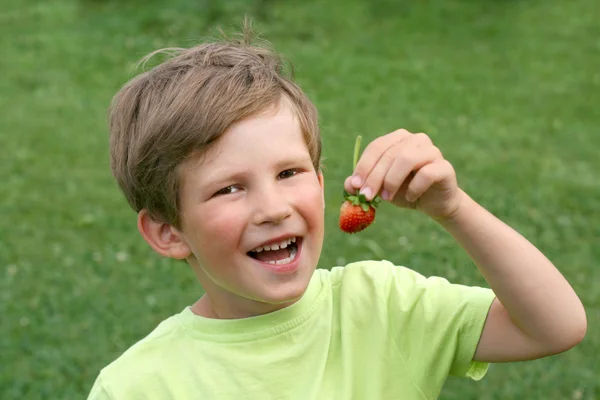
(310,204)
(218,231)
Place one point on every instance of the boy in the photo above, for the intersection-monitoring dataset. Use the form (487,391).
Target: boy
(219,153)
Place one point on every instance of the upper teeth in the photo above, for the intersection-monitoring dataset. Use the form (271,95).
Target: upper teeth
(275,246)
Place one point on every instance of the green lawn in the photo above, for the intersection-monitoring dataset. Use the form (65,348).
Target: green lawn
(509,90)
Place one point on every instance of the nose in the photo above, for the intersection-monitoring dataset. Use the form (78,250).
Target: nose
(271,206)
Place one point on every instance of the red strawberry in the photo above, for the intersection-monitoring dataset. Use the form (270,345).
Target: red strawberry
(357,213)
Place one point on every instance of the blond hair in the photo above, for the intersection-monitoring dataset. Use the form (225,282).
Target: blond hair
(178,109)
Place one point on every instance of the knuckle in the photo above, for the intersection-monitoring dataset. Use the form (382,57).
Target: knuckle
(428,174)
(423,138)
(405,158)
(447,165)
(401,133)
(374,147)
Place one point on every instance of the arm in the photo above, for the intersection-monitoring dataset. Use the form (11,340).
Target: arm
(536,313)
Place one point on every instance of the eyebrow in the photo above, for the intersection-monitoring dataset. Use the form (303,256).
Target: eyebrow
(293,159)
(231,174)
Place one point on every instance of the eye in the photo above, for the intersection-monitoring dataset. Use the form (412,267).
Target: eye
(228,190)
(288,173)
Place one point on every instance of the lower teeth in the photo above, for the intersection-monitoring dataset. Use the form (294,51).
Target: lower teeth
(288,260)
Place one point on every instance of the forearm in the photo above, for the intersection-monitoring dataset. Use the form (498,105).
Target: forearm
(536,296)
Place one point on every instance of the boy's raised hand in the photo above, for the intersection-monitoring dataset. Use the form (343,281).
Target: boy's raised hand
(536,312)
(410,171)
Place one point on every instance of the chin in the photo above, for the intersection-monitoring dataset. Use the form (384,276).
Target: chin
(285,294)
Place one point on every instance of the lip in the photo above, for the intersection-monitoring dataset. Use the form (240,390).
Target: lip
(285,268)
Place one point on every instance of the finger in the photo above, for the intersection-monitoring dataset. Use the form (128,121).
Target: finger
(374,180)
(348,185)
(408,161)
(373,153)
(399,198)
(427,176)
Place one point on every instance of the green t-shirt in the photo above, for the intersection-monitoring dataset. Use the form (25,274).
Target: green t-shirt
(370,330)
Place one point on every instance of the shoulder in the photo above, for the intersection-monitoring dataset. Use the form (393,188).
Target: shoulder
(156,342)
(144,360)
(369,283)
(400,286)
(382,274)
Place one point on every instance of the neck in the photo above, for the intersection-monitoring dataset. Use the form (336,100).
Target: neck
(207,308)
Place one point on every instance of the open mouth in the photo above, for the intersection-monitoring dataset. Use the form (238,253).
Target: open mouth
(281,253)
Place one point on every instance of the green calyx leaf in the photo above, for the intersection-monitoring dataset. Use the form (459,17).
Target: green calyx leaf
(375,202)
(361,200)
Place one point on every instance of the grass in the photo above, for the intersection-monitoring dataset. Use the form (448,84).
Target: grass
(508,90)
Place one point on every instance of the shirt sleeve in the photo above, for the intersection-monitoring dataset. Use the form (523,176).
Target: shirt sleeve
(98,391)
(436,324)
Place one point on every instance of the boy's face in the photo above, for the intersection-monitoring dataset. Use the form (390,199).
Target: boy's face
(257,186)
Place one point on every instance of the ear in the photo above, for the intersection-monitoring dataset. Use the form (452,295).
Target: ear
(163,238)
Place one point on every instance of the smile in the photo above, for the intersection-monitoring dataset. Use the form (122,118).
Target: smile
(278,253)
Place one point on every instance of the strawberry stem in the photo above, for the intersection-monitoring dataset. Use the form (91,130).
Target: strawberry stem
(356,150)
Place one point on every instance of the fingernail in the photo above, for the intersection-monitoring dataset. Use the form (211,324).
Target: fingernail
(366,192)
(356,181)
(385,195)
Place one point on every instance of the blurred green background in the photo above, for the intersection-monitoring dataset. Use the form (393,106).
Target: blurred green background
(509,90)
